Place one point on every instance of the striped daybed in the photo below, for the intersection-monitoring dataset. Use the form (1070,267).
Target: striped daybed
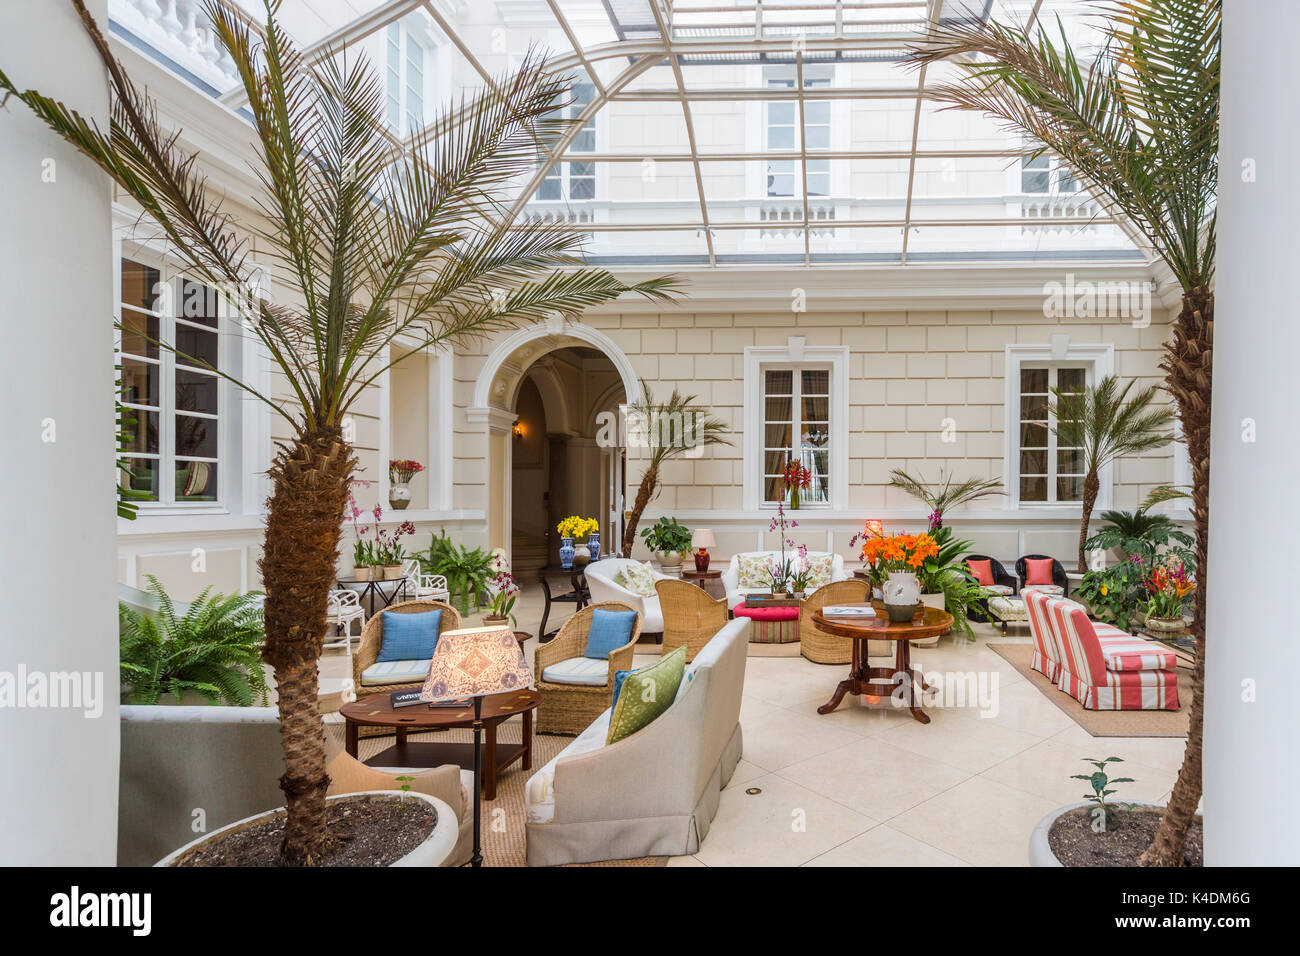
(1098,665)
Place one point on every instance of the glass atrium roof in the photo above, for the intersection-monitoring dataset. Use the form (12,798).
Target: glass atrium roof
(714,132)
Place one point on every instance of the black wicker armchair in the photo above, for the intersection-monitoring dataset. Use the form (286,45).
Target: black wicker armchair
(1058,571)
(1000,576)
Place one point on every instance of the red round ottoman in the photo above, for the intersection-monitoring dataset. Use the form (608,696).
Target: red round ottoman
(772,625)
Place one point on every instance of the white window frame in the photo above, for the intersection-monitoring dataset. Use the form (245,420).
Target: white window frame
(562,170)
(244,421)
(170,275)
(796,354)
(769,74)
(406,38)
(1056,171)
(1098,361)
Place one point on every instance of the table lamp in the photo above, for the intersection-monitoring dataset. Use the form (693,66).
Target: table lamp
(476,662)
(874,528)
(701,541)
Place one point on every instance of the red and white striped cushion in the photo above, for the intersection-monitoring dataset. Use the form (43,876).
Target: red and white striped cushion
(1124,652)
(1127,690)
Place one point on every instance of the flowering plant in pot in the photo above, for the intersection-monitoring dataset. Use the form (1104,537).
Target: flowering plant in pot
(1167,591)
(797,479)
(502,603)
(782,570)
(400,473)
(389,553)
(899,557)
(363,547)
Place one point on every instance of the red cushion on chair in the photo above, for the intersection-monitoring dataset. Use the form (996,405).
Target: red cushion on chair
(983,571)
(1038,571)
(766,613)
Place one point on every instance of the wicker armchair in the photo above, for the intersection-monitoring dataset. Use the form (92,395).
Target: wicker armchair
(691,616)
(1058,571)
(372,637)
(979,610)
(570,708)
(816,645)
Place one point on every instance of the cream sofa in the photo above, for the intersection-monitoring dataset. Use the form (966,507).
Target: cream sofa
(600,581)
(731,576)
(653,793)
(227,761)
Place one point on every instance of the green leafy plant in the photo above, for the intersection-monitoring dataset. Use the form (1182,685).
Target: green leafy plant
(1144,534)
(405,780)
(371,241)
(941,495)
(1116,593)
(212,649)
(945,572)
(665,430)
(1101,781)
(467,570)
(1137,120)
(667,535)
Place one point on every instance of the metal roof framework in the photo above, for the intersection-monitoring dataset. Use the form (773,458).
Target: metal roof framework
(683,34)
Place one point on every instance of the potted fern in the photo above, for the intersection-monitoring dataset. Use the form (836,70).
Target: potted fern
(209,653)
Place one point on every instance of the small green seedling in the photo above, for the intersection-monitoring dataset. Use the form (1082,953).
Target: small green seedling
(1100,782)
(405,785)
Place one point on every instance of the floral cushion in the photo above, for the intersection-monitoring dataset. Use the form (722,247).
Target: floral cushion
(637,578)
(1051,590)
(1008,609)
(819,571)
(755,570)
(1002,590)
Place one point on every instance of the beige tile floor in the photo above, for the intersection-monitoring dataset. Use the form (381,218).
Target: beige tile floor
(868,785)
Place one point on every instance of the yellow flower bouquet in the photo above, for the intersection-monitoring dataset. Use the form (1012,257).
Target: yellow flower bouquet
(576,526)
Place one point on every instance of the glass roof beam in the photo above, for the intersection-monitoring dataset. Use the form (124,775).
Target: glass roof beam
(931,16)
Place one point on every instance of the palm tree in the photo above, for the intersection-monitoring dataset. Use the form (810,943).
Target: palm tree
(1140,126)
(943,494)
(377,241)
(1102,423)
(666,430)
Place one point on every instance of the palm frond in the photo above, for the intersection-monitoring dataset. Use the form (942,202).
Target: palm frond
(943,494)
(1106,424)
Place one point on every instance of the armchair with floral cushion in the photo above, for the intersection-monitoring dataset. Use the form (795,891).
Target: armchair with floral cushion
(629,582)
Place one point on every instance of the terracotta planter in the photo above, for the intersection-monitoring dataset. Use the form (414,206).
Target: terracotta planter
(436,847)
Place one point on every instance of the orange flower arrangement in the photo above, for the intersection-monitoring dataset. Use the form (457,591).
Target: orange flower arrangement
(899,552)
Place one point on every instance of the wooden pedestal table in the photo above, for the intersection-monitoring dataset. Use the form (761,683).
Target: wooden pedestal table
(375,710)
(864,679)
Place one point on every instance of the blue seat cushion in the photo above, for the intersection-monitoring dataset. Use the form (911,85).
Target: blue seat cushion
(409,637)
(610,630)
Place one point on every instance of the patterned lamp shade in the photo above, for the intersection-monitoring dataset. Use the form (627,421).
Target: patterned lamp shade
(874,528)
(475,662)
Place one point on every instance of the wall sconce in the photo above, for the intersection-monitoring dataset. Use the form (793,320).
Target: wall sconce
(518,429)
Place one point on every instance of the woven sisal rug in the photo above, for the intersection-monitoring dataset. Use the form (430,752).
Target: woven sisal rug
(1104,723)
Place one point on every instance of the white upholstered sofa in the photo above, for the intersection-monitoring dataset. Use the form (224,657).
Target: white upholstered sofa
(653,793)
(600,581)
(731,576)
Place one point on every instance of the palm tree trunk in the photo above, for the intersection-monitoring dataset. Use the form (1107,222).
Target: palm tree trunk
(1091,485)
(1188,365)
(303,528)
(649,485)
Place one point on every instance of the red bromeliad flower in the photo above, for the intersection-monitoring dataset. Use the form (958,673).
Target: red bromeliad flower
(796,475)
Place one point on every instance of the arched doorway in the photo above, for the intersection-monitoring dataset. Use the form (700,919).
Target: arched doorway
(541,393)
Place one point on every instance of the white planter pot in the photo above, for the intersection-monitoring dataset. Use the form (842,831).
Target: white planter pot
(902,588)
(436,847)
(1040,851)
(934,599)
(670,562)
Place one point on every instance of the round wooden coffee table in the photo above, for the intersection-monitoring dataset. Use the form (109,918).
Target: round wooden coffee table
(883,681)
(376,710)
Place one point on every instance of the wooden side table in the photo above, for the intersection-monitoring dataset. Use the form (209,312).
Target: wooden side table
(884,681)
(704,580)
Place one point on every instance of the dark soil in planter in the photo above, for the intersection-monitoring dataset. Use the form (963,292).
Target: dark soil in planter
(1128,833)
(368,831)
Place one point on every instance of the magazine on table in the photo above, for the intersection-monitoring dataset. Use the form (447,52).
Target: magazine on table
(848,610)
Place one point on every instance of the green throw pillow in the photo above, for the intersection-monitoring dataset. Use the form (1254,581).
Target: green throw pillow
(646,693)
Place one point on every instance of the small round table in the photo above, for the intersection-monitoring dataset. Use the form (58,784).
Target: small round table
(883,681)
(376,710)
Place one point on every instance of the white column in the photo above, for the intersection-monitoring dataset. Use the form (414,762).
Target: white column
(58,764)
(1252,715)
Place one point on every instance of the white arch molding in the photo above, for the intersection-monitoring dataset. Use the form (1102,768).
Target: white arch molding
(562,334)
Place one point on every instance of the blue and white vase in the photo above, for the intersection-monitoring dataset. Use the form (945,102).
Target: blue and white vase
(566,553)
(593,545)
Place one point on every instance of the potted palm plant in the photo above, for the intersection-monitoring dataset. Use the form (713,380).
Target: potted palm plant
(373,242)
(1138,123)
